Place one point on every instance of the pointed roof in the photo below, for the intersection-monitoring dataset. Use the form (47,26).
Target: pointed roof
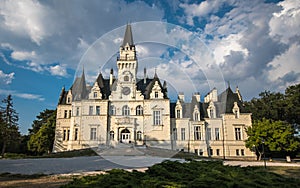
(79,89)
(128,36)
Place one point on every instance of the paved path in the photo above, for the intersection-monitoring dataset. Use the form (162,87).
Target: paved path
(260,163)
(76,164)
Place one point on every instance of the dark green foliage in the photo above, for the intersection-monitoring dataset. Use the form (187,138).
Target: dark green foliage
(188,174)
(9,130)
(42,133)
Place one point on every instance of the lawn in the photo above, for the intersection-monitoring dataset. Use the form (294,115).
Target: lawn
(194,174)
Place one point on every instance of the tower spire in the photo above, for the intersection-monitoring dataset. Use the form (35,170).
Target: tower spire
(128,36)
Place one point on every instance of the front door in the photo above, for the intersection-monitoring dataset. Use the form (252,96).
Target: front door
(125,136)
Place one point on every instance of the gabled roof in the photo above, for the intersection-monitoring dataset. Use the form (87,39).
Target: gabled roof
(128,36)
(146,88)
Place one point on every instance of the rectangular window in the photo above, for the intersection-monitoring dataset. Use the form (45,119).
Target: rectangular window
(91,110)
(217,134)
(178,113)
(201,152)
(211,153)
(65,134)
(197,133)
(237,152)
(156,94)
(238,134)
(76,134)
(70,113)
(97,110)
(93,134)
(242,152)
(208,133)
(175,133)
(68,136)
(196,151)
(95,95)
(156,117)
(66,114)
(218,152)
(77,111)
(182,133)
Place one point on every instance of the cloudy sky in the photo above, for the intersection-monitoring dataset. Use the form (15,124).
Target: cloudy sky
(194,45)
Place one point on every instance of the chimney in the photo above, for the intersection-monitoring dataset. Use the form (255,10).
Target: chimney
(145,75)
(111,77)
(197,96)
(181,96)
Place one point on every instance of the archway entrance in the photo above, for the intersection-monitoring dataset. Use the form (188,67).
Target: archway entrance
(125,136)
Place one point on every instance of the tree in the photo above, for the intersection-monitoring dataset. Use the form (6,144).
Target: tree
(9,130)
(292,95)
(276,135)
(41,140)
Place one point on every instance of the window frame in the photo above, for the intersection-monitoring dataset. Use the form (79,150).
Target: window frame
(98,110)
(157,117)
(197,133)
(125,110)
(93,133)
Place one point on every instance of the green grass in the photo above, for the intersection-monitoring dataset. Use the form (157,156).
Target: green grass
(65,154)
(189,174)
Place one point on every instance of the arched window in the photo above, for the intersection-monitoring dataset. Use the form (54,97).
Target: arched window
(125,111)
(111,135)
(112,110)
(139,110)
(196,116)
(139,135)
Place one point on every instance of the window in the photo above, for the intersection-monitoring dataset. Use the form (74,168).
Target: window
(95,94)
(196,116)
(242,152)
(68,135)
(182,133)
(237,152)
(217,134)
(76,134)
(97,110)
(93,134)
(197,132)
(156,94)
(178,113)
(91,110)
(70,113)
(139,135)
(208,133)
(68,100)
(66,114)
(112,110)
(126,78)
(125,111)
(77,111)
(201,152)
(139,110)
(211,152)
(211,111)
(156,117)
(65,134)
(175,133)
(238,134)
(218,152)
(236,114)
(111,135)
(196,151)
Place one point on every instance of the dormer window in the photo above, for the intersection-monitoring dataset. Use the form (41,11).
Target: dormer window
(236,110)
(211,110)
(95,95)
(156,94)
(178,113)
(69,100)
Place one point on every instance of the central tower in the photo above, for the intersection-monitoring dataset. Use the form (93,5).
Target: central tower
(127,67)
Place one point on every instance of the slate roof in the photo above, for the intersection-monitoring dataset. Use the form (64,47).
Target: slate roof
(128,36)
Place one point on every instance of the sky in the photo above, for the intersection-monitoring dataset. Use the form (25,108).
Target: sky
(193,45)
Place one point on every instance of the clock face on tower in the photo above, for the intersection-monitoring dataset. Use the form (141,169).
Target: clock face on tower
(126,90)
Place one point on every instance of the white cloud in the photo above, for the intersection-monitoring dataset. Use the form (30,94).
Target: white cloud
(22,95)
(25,17)
(23,55)
(6,78)
(285,24)
(58,70)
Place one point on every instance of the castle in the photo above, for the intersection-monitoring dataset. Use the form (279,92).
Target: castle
(129,110)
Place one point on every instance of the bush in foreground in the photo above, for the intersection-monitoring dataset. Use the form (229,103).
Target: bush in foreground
(189,174)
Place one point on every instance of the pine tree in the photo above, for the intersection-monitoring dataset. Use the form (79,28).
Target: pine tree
(9,130)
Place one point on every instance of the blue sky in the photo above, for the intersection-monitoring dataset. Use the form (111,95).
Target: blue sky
(44,44)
